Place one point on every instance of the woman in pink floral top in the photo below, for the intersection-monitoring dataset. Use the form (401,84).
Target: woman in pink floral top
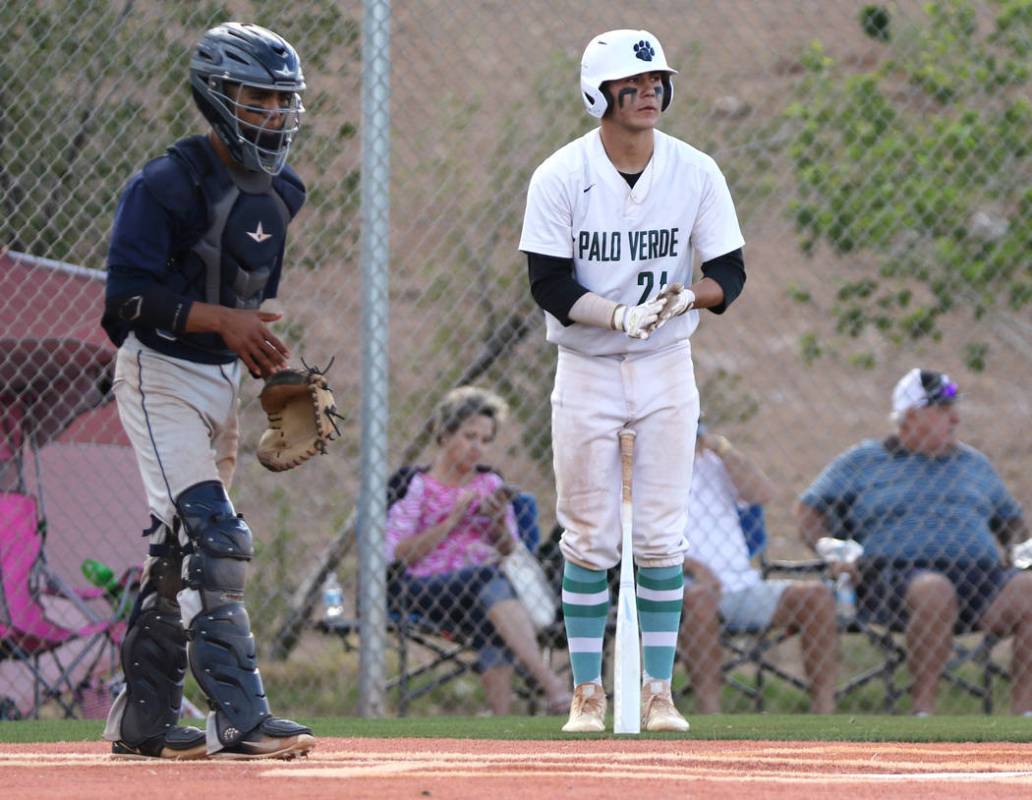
(449,530)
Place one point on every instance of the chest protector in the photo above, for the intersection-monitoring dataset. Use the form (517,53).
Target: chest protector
(247,228)
(231,258)
(232,226)
(241,247)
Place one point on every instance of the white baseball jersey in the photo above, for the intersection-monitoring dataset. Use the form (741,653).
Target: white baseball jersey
(627,243)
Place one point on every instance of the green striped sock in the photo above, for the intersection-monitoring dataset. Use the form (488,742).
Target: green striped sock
(660,594)
(585,608)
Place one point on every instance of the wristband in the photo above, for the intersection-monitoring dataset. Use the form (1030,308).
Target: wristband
(621,311)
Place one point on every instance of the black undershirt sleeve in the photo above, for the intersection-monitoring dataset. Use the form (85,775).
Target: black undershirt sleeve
(553,286)
(729,271)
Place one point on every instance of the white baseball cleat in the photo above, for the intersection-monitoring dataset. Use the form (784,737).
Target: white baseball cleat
(658,712)
(587,710)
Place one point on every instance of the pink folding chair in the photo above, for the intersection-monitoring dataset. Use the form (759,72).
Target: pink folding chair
(26,633)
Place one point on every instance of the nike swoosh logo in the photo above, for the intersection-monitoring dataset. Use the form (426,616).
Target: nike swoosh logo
(588,189)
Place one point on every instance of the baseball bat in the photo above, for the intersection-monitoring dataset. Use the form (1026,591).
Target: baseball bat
(627,667)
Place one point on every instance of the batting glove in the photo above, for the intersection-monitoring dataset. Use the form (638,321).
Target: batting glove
(637,321)
(676,300)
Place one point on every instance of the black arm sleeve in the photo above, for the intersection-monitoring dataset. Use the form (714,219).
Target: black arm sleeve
(729,271)
(154,307)
(553,286)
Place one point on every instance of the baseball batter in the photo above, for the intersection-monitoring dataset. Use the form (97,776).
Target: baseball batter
(197,245)
(613,222)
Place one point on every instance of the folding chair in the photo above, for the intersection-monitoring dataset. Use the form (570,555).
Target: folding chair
(452,655)
(749,647)
(893,656)
(449,654)
(26,633)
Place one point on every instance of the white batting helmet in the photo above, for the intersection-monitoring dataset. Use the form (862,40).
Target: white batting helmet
(621,54)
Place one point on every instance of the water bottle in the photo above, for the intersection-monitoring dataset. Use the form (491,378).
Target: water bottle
(845,597)
(333,599)
(101,576)
(842,551)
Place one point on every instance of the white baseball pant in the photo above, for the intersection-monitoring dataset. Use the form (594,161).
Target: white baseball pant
(594,397)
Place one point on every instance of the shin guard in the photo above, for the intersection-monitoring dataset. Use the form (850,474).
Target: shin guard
(143,719)
(222,649)
(154,664)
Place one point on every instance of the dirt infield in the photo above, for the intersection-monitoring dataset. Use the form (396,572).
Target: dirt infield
(386,769)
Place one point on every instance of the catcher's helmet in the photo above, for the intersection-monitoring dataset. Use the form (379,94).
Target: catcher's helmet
(621,54)
(248,55)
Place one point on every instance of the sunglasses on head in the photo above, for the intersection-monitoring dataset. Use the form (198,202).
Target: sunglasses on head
(938,387)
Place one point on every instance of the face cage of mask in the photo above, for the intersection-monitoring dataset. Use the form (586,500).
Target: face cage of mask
(268,145)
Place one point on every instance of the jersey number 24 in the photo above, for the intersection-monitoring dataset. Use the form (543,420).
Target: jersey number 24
(648,280)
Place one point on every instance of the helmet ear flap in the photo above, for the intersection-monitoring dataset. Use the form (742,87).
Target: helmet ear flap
(668,91)
(607,98)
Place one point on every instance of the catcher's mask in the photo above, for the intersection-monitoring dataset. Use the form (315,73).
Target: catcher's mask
(237,54)
(621,54)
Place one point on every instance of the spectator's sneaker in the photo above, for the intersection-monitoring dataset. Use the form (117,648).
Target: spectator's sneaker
(274,738)
(179,744)
(587,710)
(658,712)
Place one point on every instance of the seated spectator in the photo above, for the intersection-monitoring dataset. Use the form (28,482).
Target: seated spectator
(449,529)
(925,508)
(723,587)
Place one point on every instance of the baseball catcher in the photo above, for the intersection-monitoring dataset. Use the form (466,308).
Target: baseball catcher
(196,250)
(302,417)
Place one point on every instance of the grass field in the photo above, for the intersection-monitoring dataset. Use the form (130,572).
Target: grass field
(773,727)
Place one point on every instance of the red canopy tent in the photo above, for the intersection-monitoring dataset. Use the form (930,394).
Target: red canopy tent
(60,437)
(55,360)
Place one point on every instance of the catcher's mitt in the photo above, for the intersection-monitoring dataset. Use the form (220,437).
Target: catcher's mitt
(302,417)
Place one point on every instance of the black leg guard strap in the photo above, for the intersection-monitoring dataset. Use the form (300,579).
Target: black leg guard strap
(222,649)
(154,664)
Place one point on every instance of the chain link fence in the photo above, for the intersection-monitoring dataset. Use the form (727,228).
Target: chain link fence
(880,158)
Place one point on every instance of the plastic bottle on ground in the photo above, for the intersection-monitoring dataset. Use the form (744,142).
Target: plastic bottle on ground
(333,599)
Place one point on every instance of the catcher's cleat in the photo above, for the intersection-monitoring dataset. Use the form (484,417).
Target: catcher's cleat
(274,738)
(179,744)
(587,710)
(658,712)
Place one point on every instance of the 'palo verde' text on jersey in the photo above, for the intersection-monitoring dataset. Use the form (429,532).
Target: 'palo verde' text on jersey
(627,243)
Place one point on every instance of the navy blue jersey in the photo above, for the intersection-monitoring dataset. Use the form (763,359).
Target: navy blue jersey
(164,214)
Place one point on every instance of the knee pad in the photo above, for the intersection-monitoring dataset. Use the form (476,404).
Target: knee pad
(222,649)
(220,543)
(153,657)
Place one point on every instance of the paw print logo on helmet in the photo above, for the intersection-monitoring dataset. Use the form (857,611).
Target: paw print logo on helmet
(644,50)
